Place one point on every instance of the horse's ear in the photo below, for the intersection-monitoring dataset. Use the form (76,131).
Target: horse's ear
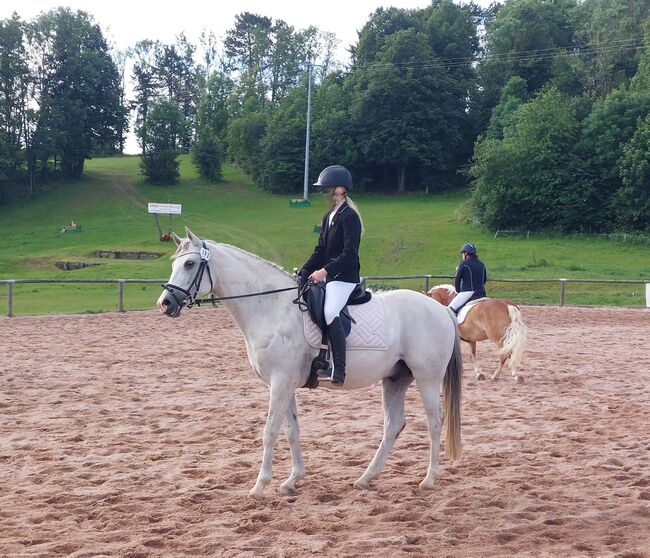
(177,239)
(195,239)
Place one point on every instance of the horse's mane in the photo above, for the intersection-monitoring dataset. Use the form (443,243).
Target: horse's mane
(186,243)
(449,288)
(181,248)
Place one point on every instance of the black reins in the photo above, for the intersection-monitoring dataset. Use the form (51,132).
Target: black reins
(196,283)
(261,293)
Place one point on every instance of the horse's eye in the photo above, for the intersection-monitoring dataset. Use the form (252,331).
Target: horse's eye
(189,263)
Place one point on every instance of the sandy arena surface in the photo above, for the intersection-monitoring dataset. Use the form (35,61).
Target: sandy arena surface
(134,435)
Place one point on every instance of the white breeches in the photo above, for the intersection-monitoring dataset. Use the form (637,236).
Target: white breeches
(459,300)
(336,295)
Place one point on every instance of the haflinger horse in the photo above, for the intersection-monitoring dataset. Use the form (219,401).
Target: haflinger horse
(499,321)
(421,337)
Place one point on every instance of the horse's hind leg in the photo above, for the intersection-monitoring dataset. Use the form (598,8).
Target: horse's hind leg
(393,394)
(502,361)
(292,430)
(431,400)
(475,364)
(278,404)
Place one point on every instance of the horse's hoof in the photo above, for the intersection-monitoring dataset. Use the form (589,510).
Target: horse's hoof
(519,379)
(257,494)
(480,376)
(361,485)
(426,485)
(287,490)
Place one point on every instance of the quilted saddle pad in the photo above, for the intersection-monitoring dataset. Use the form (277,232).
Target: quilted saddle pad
(368,333)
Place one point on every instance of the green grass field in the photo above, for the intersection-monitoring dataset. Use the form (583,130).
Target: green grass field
(407,235)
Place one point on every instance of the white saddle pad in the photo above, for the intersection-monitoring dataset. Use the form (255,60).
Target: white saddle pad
(369,331)
(467,308)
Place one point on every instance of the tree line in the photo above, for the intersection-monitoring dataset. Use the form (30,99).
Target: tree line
(541,107)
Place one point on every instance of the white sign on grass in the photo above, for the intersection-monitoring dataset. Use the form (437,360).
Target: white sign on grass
(169,208)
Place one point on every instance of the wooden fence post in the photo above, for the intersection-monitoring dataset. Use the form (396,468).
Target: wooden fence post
(10,298)
(120,295)
(562,284)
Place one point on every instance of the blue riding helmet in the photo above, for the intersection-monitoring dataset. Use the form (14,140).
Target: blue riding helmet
(468,248)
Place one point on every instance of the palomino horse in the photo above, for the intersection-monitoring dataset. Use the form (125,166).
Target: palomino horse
(498,320)
(281,357)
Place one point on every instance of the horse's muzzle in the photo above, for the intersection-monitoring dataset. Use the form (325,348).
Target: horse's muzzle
(170,307)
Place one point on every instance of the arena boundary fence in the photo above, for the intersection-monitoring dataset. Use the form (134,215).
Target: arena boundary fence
(425,278)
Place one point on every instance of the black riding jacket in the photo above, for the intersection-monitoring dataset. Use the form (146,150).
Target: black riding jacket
(338,247)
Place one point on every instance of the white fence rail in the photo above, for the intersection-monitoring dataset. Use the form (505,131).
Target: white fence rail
(426,284)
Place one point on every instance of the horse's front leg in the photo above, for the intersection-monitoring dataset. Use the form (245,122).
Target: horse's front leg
(279,401)
(292,430)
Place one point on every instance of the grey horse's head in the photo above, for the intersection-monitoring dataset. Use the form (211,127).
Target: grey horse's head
(190,277)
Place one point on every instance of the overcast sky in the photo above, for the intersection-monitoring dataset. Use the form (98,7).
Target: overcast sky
(127,21)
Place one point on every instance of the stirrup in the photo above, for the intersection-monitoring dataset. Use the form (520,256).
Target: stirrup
(325,373)
(328,374)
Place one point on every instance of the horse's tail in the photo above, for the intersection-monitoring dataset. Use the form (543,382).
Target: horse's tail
(514,339)
(451,390)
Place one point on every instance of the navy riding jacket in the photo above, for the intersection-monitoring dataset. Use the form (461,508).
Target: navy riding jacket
(471,275)
(338,247)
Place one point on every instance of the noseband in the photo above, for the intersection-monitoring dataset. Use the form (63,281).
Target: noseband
(196,283)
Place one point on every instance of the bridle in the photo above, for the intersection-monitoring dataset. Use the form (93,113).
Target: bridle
(196,284)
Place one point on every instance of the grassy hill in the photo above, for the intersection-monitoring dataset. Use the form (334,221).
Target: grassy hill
(413,234)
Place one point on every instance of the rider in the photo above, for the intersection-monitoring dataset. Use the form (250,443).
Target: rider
(336,260)
(470,279)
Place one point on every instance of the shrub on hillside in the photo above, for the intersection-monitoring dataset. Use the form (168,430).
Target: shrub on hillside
(207,155)
(160,167)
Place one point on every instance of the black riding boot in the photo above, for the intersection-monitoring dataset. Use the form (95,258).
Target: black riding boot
(337,342)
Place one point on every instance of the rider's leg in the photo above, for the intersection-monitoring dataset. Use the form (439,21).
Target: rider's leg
(336,296)
(337,342)
(459,300)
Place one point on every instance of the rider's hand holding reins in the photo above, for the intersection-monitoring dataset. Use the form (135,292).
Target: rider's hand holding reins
(319,275)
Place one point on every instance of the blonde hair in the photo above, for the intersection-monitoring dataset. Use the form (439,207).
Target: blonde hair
(354,206)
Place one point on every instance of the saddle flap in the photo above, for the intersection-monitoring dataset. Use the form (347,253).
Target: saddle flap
(314,298)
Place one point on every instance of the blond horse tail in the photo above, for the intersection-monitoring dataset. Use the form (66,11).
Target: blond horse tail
(452,392)
(514,339)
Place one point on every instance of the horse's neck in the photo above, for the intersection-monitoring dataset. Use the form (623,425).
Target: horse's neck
(236,272)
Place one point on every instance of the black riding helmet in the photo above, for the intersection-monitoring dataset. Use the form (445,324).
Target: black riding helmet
(333,176)
(468,248)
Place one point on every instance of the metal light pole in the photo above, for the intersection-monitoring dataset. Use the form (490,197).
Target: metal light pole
(305,194)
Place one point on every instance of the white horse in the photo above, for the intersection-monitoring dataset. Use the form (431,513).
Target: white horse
(422,339)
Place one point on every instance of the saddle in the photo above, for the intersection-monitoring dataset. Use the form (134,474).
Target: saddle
(311,298)
(465,308)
